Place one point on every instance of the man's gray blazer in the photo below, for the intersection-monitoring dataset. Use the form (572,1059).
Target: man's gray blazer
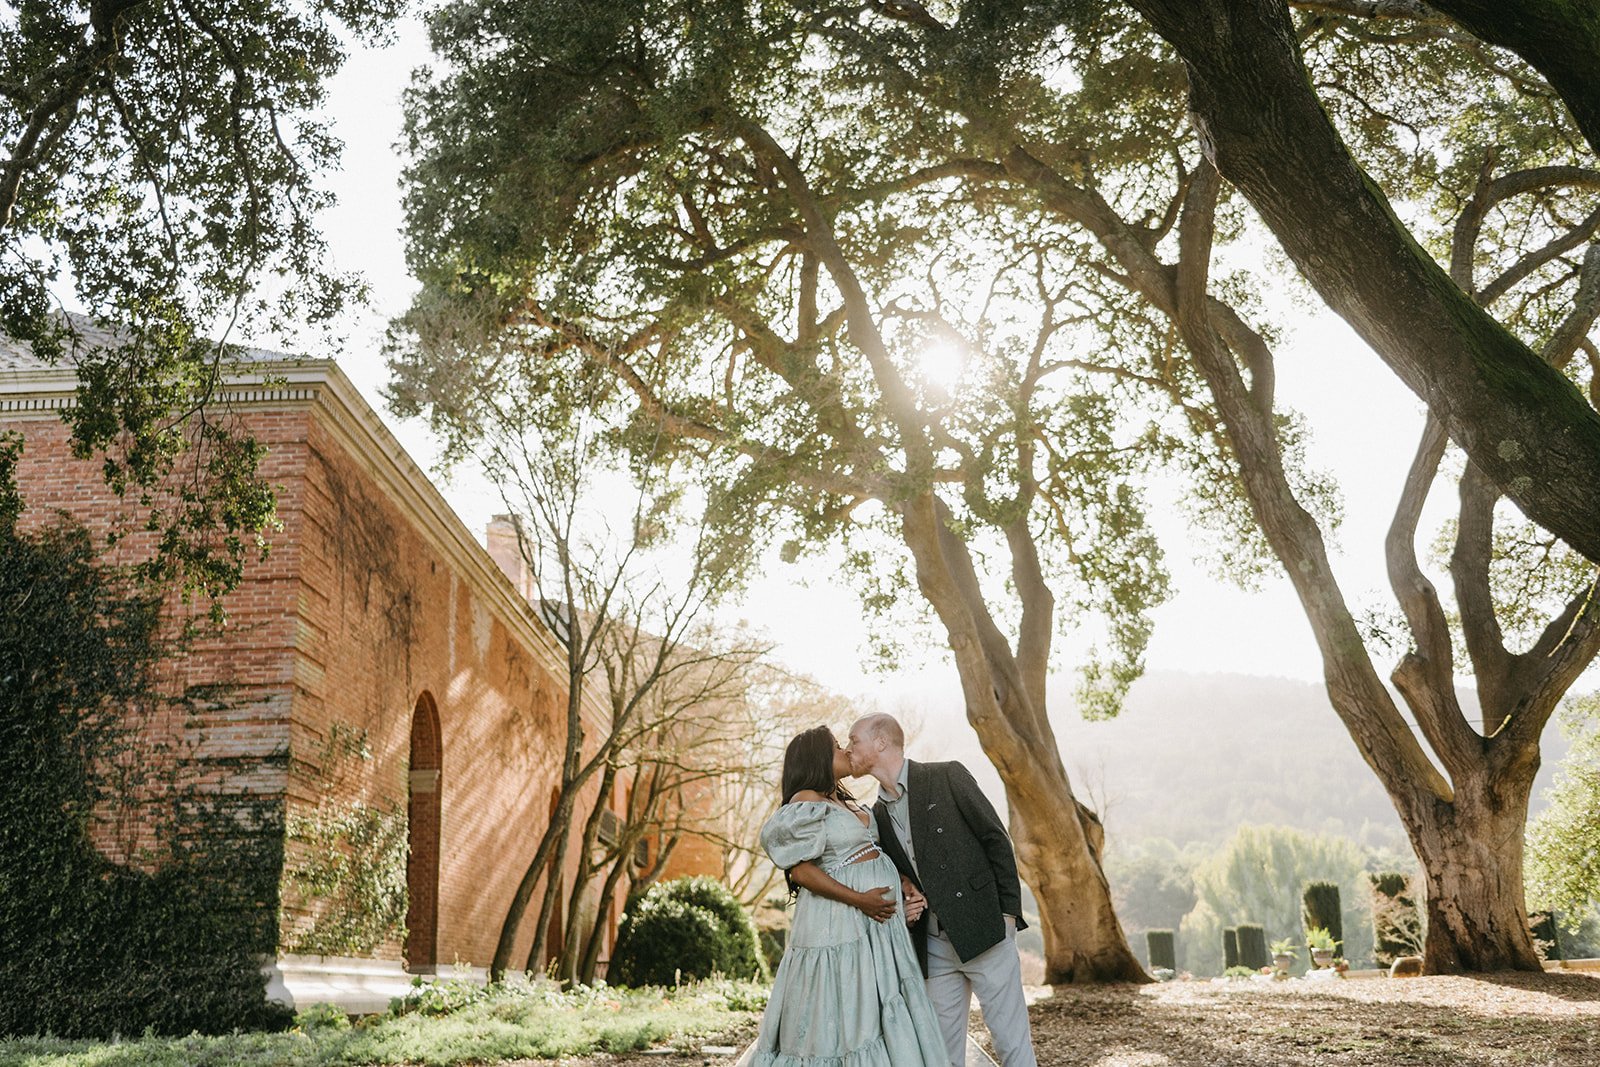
(965,865)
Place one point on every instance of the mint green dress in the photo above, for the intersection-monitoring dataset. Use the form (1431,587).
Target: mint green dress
(848,992)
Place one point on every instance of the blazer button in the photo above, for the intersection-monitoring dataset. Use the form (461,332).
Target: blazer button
(944,866)
(938,830)
(958,892)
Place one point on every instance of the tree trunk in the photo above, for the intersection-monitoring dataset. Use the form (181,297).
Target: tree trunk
(590,962)
(1057,855)
(1471,853)
(1083,939)
(553,841)
(1518,418)
(1466,830)
(576,935)
(552,894)
(1558,38)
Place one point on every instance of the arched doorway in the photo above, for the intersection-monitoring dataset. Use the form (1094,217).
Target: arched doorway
(422,858)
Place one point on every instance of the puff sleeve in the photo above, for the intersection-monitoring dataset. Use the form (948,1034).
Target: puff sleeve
(796,833)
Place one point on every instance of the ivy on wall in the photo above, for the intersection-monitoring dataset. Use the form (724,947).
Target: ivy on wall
(347,864)
(92,947)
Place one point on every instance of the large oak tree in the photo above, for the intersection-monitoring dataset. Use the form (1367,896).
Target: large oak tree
(1072,136)
(770,287)
(1269,132)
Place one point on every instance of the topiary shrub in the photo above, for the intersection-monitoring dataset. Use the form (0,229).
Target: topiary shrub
(93,948)
(1545,930)
(1396,922)
(685,930)
(1320,910)
(1163,950)
(1230,948)
(1253,947)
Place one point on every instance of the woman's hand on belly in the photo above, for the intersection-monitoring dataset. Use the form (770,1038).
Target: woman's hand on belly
(877,904)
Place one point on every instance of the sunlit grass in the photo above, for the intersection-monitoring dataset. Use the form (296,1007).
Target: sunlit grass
(449,1024)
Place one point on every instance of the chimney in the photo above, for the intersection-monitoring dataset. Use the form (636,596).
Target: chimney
(505,550)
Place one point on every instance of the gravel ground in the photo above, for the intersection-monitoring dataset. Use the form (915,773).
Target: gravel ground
(1523,1019)
(1527,1020)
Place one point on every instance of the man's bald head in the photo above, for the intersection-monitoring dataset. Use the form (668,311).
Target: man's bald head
(880,726)
(877,747)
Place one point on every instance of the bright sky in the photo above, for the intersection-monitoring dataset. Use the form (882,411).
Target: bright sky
(1364,430)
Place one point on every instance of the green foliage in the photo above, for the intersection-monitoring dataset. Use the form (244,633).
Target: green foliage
(10,499)
(1396,919)
(92,947)
(445,997)
(321,1017)
(1253,946)
(1152,882)
(1256,874)
(347,863)
(1235,971)
(1320,911)
(1162,950)
(643,227)
(515,1021)
(161,164)
(685,930)
(1320,940)
(1563,843)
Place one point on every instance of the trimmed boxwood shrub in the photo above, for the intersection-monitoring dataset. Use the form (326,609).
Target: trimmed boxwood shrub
(1163,952)
(91,948)
(1230,948)
(1396,920)
(1321,910)
(687,929)
(1253,946)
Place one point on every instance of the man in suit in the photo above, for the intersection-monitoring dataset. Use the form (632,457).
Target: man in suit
(951,848)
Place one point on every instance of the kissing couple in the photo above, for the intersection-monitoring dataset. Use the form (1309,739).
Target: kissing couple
(901,913)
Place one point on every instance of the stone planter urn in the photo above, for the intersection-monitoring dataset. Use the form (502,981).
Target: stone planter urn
(1322,957)
(1283,961)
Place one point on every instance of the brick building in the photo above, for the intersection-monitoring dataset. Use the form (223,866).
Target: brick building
(377,623)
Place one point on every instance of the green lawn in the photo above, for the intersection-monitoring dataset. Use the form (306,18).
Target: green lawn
(450,1023)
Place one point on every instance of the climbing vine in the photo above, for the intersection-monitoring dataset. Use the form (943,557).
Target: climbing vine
(347,869)
(169,939)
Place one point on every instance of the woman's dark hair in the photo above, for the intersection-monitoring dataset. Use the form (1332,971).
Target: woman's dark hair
(808,764)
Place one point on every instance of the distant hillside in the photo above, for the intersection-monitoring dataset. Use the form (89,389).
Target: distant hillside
(1196,755)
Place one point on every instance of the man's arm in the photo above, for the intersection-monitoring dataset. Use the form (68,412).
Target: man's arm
(985,824)
(877,904)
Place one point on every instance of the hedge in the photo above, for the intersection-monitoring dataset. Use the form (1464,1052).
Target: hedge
(685,930)
(94,949)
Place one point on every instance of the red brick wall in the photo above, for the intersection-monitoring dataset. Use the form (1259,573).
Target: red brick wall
(384,619)
(183,749)
(355,615)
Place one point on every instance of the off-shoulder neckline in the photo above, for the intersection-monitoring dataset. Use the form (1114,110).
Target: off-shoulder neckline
(838,807)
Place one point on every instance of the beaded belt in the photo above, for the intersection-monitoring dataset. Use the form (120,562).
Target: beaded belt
(863,852)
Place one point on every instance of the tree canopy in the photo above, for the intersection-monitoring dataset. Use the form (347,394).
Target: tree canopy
(157,170)
(760,222)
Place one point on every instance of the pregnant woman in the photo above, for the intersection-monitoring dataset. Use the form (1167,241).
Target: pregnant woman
(849,990)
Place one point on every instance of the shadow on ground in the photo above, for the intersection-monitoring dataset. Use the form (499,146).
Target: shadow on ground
(1528,1020)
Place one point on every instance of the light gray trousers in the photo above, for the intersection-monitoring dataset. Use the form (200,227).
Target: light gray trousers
(996,976)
